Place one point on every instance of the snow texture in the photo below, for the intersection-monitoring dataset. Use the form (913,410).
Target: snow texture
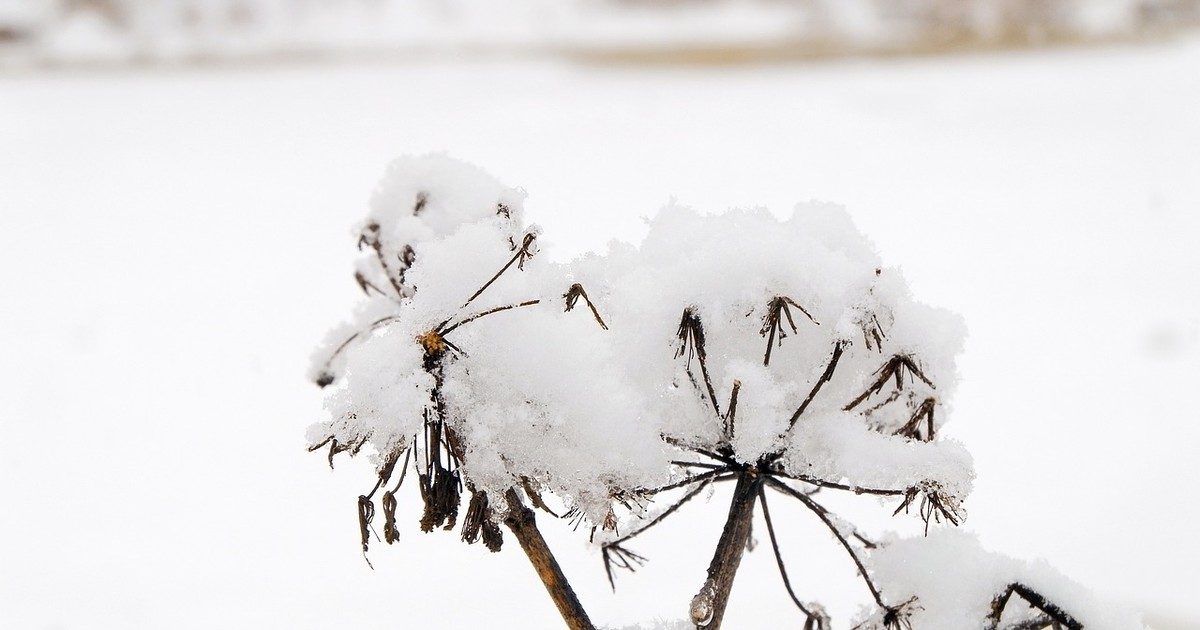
(955,581)
(577,400)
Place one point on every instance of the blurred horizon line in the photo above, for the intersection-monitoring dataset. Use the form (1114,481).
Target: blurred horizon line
(93,35)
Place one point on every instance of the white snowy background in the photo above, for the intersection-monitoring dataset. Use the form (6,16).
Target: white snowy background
(174,241)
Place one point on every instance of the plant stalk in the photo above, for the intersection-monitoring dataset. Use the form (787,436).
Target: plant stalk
(523,524)
(708,607)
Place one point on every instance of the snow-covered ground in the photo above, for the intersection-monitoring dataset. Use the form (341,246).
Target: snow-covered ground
(173,243)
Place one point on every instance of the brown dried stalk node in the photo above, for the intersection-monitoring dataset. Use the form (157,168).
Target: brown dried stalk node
(778,309)
(893,369)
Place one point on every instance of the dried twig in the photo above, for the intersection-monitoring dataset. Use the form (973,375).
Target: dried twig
(366,513)
(572,297)
(777,309)
(821,381)
(370,238)
(682,483)
(894,368)
(524,252)
(815,617)
(325,376)
(731,415)
(691,338)
(703,481)
(674,441)
(825,518)
(482,314)
(1057,615)
(367,286)
(922,415)
(838,486)
(872,330)
(935,504)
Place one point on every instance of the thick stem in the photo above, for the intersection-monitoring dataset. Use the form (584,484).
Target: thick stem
(522,522)
(708,607)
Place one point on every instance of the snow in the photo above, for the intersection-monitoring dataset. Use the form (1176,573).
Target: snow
(190,237)
(835,448)
(579,406)
(955,581)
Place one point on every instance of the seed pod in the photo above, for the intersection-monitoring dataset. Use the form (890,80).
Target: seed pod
(476,514)
(493,537)
(366,513)
(390,533)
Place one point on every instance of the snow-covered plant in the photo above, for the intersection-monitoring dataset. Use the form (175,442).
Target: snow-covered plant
(782,356)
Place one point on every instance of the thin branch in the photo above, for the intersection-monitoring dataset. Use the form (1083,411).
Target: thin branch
(1041,622)
(572,297)
(614,555)
(676,442)
(731,416)
(535,496)
(824,378)
(483,314)
(893,369)
(886,492)
(824,516)
(787,583)
(370,237)
(688,481)
(1035,599)
(923,414)
(706,466)
(704,483)
(522,255)
(777,309)
(623,556)
(367,286)
(326,377)
(893,397)
(691,337)
(404,468)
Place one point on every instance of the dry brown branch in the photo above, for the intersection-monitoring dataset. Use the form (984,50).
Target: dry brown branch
(523,524)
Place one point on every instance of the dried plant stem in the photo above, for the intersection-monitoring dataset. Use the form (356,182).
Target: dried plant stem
(1057,616)
(728,555)
(787,583)
(825,377)
(523,524)
(837,533)
(821,483)
(507,307)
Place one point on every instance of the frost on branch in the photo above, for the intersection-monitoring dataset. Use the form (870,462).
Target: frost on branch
(778,354)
